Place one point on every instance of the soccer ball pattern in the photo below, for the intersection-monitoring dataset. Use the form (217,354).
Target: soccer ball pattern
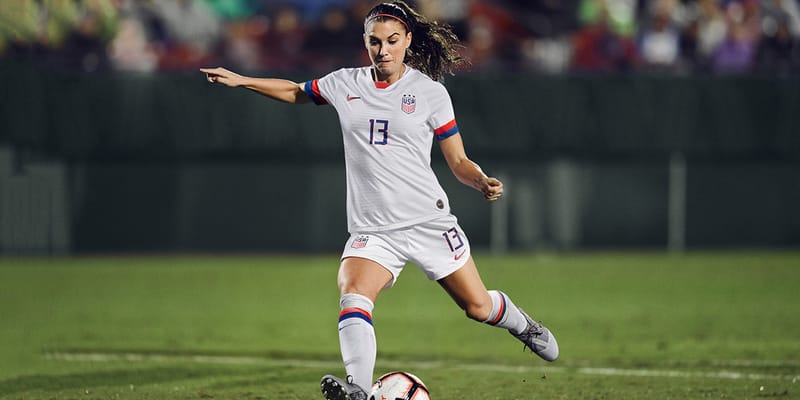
(399,386)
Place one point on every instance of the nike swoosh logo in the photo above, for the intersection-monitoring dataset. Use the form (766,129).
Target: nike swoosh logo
(350,98)
(458,256)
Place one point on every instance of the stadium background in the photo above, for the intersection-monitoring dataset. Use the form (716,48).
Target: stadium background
(617,123)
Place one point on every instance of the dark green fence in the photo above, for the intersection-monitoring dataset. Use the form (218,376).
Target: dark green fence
(181,116)
(169,162)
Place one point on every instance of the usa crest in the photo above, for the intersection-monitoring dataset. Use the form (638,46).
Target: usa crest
(409,103)
(360,242)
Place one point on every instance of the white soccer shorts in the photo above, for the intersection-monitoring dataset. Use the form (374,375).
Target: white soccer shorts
(438,247)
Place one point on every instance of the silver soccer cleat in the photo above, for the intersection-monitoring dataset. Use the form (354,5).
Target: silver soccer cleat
(539,339)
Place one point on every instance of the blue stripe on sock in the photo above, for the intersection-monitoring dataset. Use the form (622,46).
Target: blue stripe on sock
(355,315)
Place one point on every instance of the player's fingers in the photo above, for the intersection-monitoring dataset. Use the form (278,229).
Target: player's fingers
(493,190)
(492,195)
(213,74)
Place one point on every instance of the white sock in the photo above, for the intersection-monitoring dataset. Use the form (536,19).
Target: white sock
(505,314)
(357,338)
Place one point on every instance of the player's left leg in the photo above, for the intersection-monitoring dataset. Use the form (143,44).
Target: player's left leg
(496,308)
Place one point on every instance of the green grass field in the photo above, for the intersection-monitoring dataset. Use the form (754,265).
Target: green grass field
(630,326)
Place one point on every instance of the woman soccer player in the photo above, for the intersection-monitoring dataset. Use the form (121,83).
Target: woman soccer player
(397,212)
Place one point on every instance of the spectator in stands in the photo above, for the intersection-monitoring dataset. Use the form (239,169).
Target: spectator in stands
(80,34)
(620,15)
(245,29)
(778,53)
(192,33)
(282,46)
(131,48)
(598,48)
(495,35)
(481,44)
(541,32)
(704,33)
(659,41)
(777,10)
(19,27)
(243,41)
(688,46)
(451,12)
(737,51)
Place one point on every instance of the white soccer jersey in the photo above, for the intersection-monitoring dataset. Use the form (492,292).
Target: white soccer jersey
(388,133)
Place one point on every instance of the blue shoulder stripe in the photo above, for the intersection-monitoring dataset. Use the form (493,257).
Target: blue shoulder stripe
(446,134)
(314,95)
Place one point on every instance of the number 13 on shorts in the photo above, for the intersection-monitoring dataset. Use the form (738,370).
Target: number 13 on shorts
(453,239)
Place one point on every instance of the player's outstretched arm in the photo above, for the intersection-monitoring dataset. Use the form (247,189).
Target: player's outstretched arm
(278,89)
(466,171)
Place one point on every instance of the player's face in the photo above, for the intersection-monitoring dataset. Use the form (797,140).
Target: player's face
(386,43)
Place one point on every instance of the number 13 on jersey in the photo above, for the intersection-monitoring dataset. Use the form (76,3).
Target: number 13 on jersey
(378,131)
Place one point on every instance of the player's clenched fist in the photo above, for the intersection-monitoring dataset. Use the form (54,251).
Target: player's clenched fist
(493,189)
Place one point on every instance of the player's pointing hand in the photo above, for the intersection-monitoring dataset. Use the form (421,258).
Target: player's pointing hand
(223,76)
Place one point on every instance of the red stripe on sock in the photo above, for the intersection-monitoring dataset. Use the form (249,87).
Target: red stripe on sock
(501,312)
(355,310)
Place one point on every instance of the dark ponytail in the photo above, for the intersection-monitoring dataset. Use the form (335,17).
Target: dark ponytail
(434,46)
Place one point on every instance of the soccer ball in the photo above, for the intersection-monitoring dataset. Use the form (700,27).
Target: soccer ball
(399,386)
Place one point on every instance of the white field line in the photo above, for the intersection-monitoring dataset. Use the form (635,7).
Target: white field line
(756,363)
(685,374)
(428,365)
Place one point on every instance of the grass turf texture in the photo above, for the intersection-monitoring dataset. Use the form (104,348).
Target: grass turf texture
(630,325)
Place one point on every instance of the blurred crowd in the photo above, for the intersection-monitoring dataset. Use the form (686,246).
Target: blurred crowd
(277,36)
